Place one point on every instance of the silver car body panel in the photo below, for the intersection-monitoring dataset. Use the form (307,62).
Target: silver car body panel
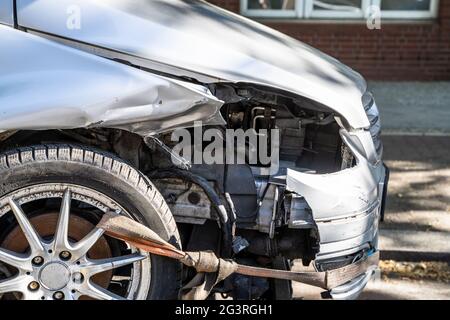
(6,12)
(346,208)
(202,38)
(345,205)
(45,85)
(352,290)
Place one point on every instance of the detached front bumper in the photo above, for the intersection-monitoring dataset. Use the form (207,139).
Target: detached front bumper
(347,207)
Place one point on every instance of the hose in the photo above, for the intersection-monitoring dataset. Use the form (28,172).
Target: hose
(226,220)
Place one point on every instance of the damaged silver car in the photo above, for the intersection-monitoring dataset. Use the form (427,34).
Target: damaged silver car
(91,94)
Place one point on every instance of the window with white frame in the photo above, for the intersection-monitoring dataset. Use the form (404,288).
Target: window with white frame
(408,9)
(336,8)
(331,9)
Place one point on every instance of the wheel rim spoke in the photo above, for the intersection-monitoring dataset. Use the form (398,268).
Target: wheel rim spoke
(16,284)
(68,295)
(41,263)
(34,240)
(82,247)
(61,240)
(99,293)
(96,266)
(14,259)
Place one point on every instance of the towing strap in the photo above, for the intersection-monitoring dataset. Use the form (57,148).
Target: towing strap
(212,270)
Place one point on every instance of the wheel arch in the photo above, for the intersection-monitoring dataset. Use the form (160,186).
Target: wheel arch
(123,144)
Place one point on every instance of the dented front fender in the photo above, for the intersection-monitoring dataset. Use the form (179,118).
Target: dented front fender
(66,89)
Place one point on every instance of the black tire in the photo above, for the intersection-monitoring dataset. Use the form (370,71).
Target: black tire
(109,175)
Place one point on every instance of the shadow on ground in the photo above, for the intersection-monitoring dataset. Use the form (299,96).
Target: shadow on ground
(419,190)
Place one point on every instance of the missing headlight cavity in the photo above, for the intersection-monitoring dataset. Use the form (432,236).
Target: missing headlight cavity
(309,135)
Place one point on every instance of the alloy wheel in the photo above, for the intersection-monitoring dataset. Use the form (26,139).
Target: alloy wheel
(59,268)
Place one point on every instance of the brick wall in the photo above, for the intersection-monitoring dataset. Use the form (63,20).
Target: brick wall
(415,51)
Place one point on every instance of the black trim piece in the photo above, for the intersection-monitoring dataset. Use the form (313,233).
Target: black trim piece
(16,21)
(385,192)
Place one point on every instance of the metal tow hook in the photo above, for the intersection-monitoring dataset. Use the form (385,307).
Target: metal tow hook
(211,269)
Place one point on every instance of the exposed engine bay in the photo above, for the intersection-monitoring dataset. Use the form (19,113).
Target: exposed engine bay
(237,210)
(273,220)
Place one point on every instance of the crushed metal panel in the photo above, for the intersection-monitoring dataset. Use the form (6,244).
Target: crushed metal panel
(344,194)
(345,207)
(44,85)
(6,12)
(346,204)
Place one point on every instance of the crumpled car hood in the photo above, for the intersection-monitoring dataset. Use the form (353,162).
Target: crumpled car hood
(201,38)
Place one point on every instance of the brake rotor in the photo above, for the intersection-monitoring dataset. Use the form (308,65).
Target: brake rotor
(45,226)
